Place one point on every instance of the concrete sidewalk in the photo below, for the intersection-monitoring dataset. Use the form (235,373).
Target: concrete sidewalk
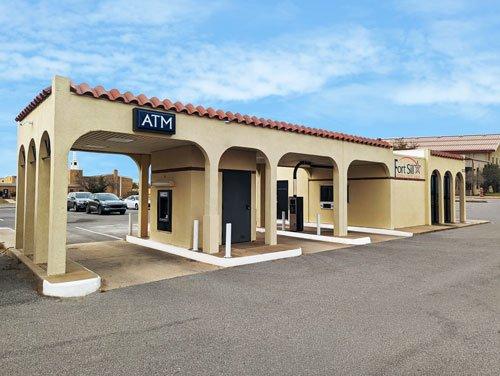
(121,264)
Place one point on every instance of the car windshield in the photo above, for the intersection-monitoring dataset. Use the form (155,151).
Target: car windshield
(82,195)
(106,196)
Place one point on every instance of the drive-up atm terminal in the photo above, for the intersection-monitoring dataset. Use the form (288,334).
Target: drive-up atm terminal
(295,203)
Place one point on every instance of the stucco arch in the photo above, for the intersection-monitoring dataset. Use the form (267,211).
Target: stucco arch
(244,163)
(460,189)
(369,198)
(29,201)
(383,167)
(436,197)
(20,196)
(42,198)
(325,172)
(448,197)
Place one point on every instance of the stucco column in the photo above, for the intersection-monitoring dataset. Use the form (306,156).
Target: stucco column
(42,210)
(56,262)
(20,192)
(340,201)
(463,211)
(452,199)
(144,163)
(271,175)
(262,203)
(211,218)
(29,205)
(441,198)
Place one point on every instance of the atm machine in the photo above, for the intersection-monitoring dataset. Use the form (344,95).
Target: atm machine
(296,204)
(164,216)
(296,216)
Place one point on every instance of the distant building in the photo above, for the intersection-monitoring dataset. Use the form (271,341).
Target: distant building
(478,150)
(119,185)
(8,187)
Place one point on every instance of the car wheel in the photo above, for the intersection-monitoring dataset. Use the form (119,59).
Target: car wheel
(136,206)
(87,210)
(100,211)
(122,212)
(75,207)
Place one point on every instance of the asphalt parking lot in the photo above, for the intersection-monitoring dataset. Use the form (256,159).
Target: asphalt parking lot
(83,227)
(426,305)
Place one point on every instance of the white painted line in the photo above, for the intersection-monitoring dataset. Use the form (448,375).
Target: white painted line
(210,259)
(322,238)
(380,231)
(369,230)
(99,233)
(1,220)
(71,289)
(7,228)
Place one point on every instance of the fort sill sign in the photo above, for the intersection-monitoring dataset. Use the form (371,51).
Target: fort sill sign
(153,121)
(408,168)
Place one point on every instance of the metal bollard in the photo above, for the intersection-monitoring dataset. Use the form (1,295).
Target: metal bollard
(283,220)
(318,224)
(130,224)
(228,241)
(196,224)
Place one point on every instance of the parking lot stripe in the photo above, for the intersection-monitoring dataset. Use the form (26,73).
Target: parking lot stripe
(99,233)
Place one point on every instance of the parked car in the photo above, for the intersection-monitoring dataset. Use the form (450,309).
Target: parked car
(104,203)
(78,200)
(132,202)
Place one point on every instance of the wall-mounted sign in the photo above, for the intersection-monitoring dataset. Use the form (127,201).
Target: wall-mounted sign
(153,121)
(408,168)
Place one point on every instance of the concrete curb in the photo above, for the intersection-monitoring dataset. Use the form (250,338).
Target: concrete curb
(214,260)
(64,289)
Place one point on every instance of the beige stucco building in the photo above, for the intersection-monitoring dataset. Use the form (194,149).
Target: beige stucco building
(8,187)
(217,167)
(478,150)
(121,186)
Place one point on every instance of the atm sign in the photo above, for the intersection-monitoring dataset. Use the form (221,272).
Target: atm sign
(153,121)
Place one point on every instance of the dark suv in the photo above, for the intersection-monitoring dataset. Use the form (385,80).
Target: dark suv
(104,203)
(78,200)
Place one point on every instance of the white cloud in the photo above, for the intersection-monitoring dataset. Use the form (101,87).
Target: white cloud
(452,64)
(292,65)
(442,61)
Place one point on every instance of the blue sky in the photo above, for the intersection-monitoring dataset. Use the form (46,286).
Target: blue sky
(373,68)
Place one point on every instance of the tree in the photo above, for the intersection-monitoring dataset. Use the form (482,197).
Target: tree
(491,177)
(131,193)
(403,144)
(94,184)
(135,186)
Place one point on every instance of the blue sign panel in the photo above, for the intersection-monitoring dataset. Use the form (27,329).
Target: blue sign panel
(153,121)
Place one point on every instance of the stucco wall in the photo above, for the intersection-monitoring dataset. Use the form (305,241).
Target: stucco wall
(408,203)
(286,173)
(318,177)
(369,196)
(188,190)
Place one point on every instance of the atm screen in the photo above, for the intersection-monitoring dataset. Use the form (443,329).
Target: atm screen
(164,222)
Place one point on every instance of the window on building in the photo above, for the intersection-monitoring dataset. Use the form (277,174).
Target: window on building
(326,193)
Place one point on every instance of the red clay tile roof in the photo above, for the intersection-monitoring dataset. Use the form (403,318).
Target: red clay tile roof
(457,144)
(442,154)
(141,100)
(44,94)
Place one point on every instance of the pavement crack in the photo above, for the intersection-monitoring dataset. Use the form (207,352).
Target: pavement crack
(58,344)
